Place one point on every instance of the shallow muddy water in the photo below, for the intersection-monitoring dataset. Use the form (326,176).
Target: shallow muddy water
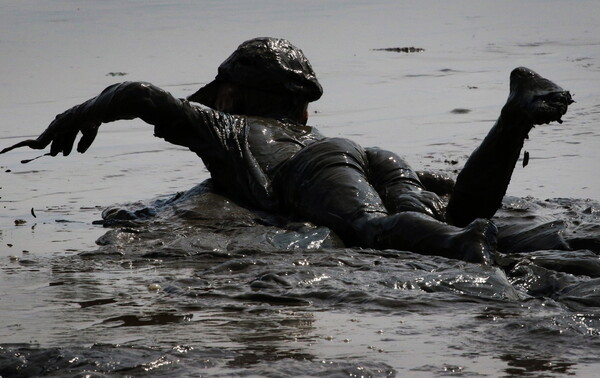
(194,285)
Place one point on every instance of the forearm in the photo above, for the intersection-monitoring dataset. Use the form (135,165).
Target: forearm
(171,117)
(131,100)
(174,120)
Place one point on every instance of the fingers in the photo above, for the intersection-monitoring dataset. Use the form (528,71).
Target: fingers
(68,141)
(62,142)
(31,143)
(62,132)
(87,137)
(56,146)
(49,134)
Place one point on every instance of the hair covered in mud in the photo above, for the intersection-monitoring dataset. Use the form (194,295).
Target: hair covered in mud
(266,64)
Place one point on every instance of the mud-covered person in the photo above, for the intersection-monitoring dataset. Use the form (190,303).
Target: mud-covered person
(254,140)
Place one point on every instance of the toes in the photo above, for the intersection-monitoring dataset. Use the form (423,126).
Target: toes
(540,99)
(550,107)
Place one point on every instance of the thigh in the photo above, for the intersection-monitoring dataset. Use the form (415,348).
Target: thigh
(326,183)
(399,186)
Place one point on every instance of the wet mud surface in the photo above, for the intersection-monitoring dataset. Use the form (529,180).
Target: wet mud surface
(193,282)
(192,285)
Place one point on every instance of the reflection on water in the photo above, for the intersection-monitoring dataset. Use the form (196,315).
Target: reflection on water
(525,367)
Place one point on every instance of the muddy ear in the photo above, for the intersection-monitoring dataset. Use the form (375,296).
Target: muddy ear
(226,99)
(207,94)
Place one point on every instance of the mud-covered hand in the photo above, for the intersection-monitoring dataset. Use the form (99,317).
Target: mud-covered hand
(62,132)
(175,120)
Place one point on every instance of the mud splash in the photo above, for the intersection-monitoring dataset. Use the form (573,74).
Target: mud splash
(224,289)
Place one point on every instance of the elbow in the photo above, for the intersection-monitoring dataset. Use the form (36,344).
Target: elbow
(128,100)
(129,91)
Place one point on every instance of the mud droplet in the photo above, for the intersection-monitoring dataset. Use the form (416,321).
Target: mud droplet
(154,287)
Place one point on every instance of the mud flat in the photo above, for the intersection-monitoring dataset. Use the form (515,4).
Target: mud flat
(163,298)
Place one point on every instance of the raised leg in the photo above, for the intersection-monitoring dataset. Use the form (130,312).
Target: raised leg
(483,181)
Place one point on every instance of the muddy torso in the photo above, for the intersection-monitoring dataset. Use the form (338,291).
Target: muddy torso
(273,142)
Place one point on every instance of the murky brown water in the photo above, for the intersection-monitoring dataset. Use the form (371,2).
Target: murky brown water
(237,296)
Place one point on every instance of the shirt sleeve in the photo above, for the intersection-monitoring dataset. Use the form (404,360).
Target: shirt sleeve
(220,139)
(222,143)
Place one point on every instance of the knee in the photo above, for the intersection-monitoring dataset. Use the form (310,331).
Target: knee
(385,168)
(420,201)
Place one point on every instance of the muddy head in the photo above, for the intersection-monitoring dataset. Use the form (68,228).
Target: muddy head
(268,64)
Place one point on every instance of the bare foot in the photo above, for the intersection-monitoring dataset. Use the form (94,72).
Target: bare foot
(477,241)
(539,99)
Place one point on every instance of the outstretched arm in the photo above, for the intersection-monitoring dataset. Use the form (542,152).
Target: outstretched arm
(173,118)
(218,138)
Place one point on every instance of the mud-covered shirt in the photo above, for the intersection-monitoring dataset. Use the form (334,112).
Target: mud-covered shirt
(242,154)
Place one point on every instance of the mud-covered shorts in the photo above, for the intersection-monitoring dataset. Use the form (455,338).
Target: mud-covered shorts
(335,182)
